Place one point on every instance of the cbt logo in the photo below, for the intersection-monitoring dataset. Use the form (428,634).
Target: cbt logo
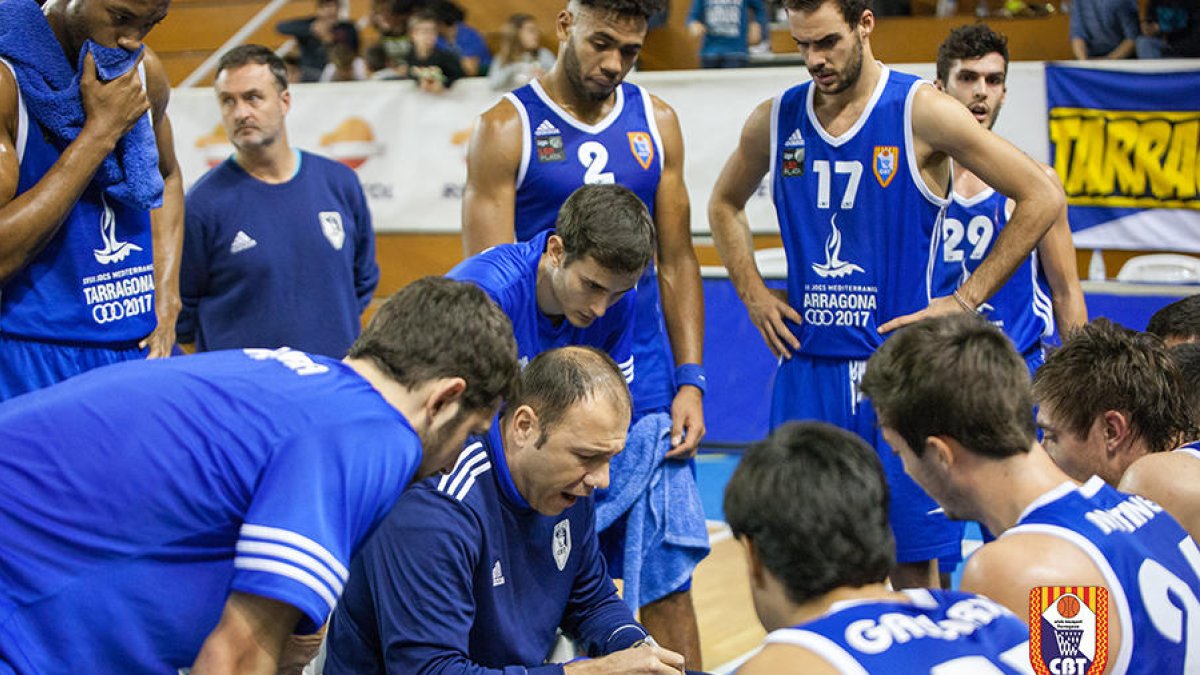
(1068,630)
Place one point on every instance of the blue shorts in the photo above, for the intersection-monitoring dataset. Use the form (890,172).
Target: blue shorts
(827,390)
(28,365)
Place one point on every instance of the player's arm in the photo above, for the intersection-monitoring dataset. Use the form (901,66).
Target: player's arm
(782,658)
(679,283)
(490,197)
(166,222)
(731,232)
(249,638)
(1057,254)
(942,126)
(28,221)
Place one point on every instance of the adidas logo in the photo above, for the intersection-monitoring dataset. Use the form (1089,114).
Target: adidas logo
(795,140)
(242,242)
(497,575)
(546,129)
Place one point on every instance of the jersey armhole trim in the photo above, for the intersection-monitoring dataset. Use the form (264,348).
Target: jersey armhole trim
(911,156)
(22,116)
(1110,579)
(526,141)
(820,645)
(652,124)
(776,104)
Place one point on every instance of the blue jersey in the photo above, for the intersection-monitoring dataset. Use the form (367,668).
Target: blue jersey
(1192,449)
(268,265)
(855,217)
(935,632)
(508,274)
(93,283)
(1150,565)
(560,154)
(137,496)
(1021,307)
(494,580)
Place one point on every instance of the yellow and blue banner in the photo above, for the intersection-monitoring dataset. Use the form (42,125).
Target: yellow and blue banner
(1125,145)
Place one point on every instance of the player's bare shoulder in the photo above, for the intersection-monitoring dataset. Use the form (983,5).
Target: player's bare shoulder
(784,658)
(498,132)
(158,85)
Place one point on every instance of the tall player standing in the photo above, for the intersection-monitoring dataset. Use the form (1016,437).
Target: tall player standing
(860,161)
(972,67)
(580,123)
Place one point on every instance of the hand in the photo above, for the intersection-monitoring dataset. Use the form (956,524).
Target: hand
(937,307)
(687,422)
(770,310)
(697,29)
(112,108)
(645,659)
(160,342)
(754,33)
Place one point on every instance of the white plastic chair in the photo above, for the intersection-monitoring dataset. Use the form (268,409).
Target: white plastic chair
(1161,268)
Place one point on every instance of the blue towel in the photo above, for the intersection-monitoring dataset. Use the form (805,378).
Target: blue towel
(665,535)
(50,88)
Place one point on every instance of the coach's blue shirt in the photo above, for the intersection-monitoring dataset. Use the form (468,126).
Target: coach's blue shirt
(508,274)
(464,577)
(137,496)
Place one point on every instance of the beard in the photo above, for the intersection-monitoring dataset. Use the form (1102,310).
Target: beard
(853,69)
(574,71)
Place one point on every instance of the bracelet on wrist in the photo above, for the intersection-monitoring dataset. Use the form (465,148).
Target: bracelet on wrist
(693,374)
(963,303)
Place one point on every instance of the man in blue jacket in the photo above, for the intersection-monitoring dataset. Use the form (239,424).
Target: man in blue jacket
(508,549)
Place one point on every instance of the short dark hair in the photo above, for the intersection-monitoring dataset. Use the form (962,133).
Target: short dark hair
(244,55)
(437,327)
(852,10)
(1187,356)
(972,41)
(1180,319)
(637,8)
(955,376)
(1104,366)
(447,13)
(559,378)
(814,500)
(610,224)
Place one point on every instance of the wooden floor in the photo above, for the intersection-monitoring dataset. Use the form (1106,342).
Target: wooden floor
(729,628)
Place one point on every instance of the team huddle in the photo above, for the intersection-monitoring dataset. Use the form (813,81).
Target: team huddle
(434,495)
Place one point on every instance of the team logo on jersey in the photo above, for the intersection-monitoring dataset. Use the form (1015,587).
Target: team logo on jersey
(884,163)
(562,543)
(642,147)
(549,142)
(792,162)
(331,225)
(834,266)
(1068,630)
(113,251)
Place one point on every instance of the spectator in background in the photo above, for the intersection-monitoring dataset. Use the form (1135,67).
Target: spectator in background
(727,31)
(316,35)
(521,57)
(1170,29)
(434,68)
(295,74)
(457,37)
(1103,29)
(278,245)
(345,65)
(390,18)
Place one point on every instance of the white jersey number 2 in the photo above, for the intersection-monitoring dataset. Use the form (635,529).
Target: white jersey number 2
(1164,595)
(594,156)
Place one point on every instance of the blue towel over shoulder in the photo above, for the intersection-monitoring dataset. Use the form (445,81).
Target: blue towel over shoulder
(50,87)
(665,536)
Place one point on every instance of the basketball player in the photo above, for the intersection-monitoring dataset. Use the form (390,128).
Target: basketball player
(508,549)
(809,504)
(573,285)
(954,400)
(1178,322)
(581,123)
(196,511)
(972,67)
(860,165)
(91,218)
